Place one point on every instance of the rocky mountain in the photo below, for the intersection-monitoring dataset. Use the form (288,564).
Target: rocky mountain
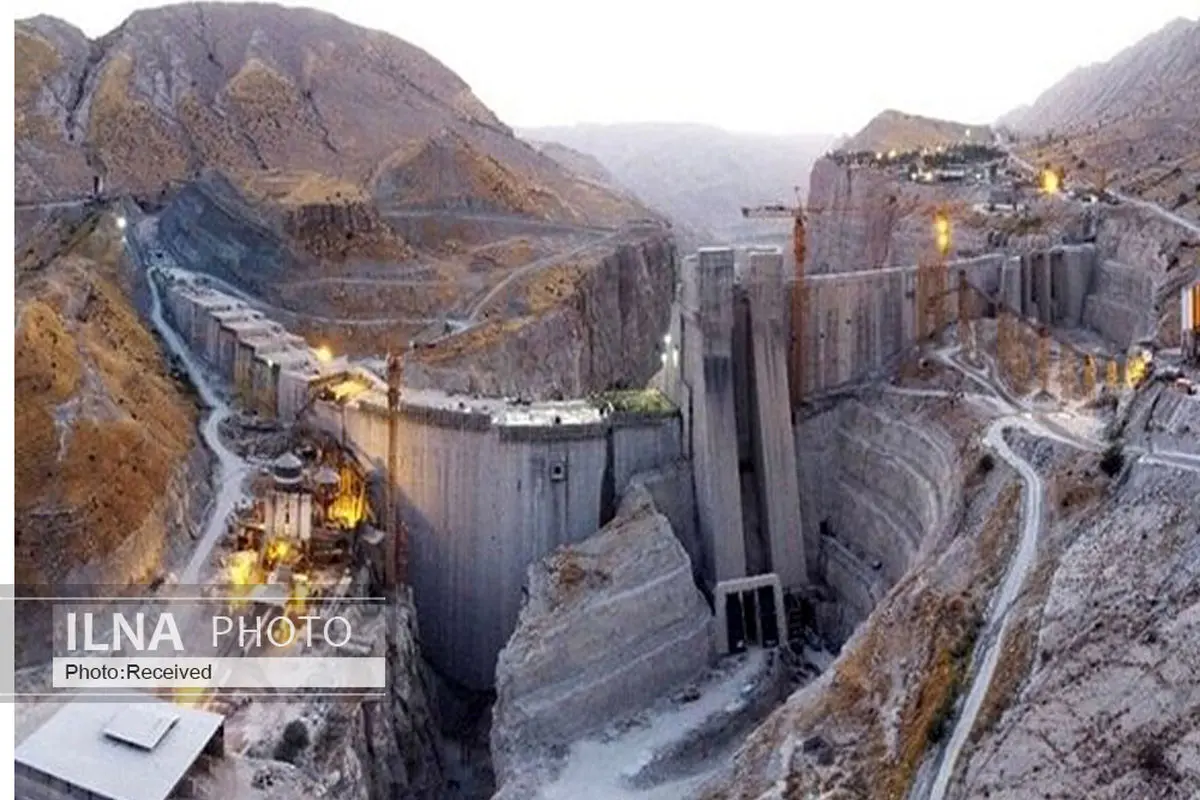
(1131,123)
(698,175)
(895,130)
(253,88)
(1158,76)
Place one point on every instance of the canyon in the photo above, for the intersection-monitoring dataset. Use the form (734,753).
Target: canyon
(662,538)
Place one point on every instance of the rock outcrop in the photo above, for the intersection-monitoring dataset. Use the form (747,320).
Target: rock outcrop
(870,217)
(609,625)
(353,750)
(1157,76)
(1131,123)
(895,130)
(572,329)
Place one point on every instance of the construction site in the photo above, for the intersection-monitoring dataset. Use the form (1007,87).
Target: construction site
(739,518)
(893,497)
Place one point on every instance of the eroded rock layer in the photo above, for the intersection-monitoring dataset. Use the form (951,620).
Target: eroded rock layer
(609,625)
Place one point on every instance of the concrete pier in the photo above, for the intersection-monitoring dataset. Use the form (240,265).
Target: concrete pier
(771,421)
(708,366)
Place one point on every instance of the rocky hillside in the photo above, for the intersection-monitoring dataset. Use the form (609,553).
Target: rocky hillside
(249,88)
(588,325)
(592,607)
(1131,123)
(895,130)
(698,175)
(1158,76)
(104,431)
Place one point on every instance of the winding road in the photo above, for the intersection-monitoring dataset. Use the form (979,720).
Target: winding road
(231,468)
(1016,415)
(1153,208)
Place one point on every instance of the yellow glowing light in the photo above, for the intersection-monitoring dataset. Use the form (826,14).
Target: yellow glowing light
(878,156)
(324,354)
(941,232)
(278,550)
(891,153)
(241,568)
(1135,371)
(1050,181)
(301,590)
(350,506)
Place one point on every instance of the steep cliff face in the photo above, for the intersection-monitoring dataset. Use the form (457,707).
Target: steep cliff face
(610,625)
(878,482)
(866,217)
(247,88)
(210,226)
(595,325)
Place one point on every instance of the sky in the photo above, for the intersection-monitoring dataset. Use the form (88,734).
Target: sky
(752,65)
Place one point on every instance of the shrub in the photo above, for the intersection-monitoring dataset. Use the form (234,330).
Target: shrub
(295,739)
(1113,459)
(987,462)
(1150,757)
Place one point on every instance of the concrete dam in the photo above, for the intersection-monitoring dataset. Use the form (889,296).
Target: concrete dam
(488,485)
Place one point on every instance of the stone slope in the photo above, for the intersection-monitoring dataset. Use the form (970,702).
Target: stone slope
(1131,123)
(592,324)
(104,432)
(247,88)
(1158,76)
(610,624)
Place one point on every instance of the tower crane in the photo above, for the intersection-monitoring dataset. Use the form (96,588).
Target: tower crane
(931,279)
(780,211)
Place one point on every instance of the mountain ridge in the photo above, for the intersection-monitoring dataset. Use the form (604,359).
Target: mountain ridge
(247,88)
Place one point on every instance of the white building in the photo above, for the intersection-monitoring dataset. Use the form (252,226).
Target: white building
(98,750)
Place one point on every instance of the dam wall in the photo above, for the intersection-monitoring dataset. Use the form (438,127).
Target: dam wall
(856,323)
(725,367)
(484,494)
(485,486)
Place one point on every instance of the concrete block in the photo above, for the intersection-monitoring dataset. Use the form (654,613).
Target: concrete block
(709,365)
(774,453)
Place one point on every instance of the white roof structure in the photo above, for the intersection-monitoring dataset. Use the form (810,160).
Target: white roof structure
(121,751)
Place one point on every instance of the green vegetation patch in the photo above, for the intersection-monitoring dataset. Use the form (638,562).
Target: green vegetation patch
(634,401)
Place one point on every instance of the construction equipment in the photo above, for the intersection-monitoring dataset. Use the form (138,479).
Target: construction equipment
(779,211)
